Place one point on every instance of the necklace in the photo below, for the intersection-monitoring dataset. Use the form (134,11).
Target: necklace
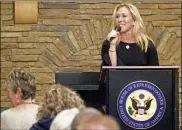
(127,47)
(24,105)
(27,102)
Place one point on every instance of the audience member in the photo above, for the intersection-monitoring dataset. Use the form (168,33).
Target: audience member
(21,92)
(57,99)
(98,122)
(84,115)
(64,119)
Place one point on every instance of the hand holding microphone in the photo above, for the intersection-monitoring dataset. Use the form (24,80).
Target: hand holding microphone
(113,35)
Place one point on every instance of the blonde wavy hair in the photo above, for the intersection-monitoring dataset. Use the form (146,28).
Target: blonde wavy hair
(139,27)
(57,99)
(24,80)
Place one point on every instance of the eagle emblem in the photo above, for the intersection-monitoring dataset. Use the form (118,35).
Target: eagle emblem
(140,106)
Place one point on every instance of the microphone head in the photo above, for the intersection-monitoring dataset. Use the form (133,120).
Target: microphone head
(118,28)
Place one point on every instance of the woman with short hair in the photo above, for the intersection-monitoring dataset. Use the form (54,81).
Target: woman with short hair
(21,92)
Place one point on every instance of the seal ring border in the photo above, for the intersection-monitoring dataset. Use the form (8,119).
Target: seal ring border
(137,82)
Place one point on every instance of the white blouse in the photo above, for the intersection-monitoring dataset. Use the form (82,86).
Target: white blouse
(19,118)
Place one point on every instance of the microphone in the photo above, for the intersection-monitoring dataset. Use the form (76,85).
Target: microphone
(118,29)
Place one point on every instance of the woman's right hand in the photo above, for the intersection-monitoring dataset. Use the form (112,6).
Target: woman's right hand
(114,34)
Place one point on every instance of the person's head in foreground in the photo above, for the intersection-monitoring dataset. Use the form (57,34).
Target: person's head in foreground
(83,115)
(92,119)
(98,122)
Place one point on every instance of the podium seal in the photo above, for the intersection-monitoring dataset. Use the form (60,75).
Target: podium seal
(141,105)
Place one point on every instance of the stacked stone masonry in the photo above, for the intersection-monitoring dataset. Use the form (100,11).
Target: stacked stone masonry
(69,34)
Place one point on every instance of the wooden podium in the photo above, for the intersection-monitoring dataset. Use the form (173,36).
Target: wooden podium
(142,97)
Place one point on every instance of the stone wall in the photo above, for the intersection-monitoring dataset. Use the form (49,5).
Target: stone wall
(69,34)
